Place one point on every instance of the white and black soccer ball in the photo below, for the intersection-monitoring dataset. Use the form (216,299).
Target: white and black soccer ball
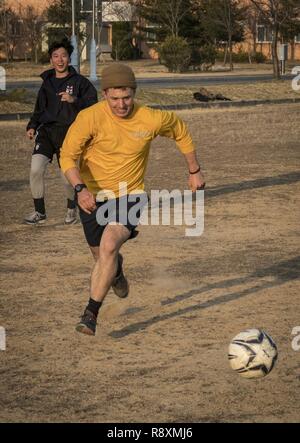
(252,353)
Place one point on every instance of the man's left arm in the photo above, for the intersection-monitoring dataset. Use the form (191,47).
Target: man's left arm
(173,127)
(196,179)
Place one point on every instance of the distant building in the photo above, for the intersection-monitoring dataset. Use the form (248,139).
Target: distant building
(258,38)
(39,5)
(13,28)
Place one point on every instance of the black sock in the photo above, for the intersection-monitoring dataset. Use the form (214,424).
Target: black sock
(39,205)
(94,306)
(71,204)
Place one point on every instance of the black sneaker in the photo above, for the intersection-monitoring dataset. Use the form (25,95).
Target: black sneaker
(120,285)
(87,324)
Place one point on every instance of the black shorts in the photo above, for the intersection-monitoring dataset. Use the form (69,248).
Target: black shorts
(49,139)
(109,212)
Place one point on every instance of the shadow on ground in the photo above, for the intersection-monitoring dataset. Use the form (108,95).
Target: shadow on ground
(282,272)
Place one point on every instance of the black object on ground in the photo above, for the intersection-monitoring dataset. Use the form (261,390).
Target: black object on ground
(205,96)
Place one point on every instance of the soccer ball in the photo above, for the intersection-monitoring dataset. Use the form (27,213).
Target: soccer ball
(252,353)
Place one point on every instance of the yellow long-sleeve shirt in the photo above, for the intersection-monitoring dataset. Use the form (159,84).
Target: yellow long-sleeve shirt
(111,149)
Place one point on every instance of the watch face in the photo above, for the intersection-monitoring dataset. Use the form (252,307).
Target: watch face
(79,187)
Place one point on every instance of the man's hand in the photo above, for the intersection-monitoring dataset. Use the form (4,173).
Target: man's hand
(65,97)
(30,133)
(86,201)
(196,181)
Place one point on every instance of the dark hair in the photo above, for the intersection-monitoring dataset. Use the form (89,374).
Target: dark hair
(65,43)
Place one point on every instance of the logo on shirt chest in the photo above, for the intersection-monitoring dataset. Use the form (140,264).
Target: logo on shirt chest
(141,134)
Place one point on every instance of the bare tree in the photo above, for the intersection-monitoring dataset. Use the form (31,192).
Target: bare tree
(173,12)
(275,13)
(3,26)
(228,17)
(165,13)
(118,13)
(20,26)
(9,26)
(33,22)
(116,10)
(252,17)
(224,21)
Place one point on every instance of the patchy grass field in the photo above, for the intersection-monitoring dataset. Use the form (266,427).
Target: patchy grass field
(236,92)
(172,96)
(28,70)
(161,354)
(22,100)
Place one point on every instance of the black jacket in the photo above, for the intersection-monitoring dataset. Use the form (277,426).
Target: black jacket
(50,109)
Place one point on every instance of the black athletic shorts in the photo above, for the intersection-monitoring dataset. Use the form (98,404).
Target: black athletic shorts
(118,210)
(49,139)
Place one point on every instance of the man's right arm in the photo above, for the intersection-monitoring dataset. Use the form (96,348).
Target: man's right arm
(85,198)
(76,139)
(78,135)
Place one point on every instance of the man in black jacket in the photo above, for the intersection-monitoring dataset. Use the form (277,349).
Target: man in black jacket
(63,94)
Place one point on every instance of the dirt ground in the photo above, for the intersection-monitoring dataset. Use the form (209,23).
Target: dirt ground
(161,354)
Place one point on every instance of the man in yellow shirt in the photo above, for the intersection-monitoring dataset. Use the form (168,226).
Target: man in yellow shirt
(111,141)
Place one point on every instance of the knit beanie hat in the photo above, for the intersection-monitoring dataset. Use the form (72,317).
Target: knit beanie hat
(118,75)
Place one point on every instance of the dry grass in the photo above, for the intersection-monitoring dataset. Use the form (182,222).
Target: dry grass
(236,92)
(8,107)
(28,70)
(172,96)
(168,96)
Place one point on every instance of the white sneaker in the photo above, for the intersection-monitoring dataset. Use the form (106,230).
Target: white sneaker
(35,218)
(71,216)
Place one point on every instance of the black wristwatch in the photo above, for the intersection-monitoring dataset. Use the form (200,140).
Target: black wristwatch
(78,188)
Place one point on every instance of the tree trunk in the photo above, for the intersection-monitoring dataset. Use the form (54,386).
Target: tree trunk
(292,42)
(230,52)
(6,40)
(7,51)
(276,69)
(254,34)
(225,54)
(254,42)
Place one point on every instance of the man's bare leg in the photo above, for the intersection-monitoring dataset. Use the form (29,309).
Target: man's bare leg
(106,264)
(103,274)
